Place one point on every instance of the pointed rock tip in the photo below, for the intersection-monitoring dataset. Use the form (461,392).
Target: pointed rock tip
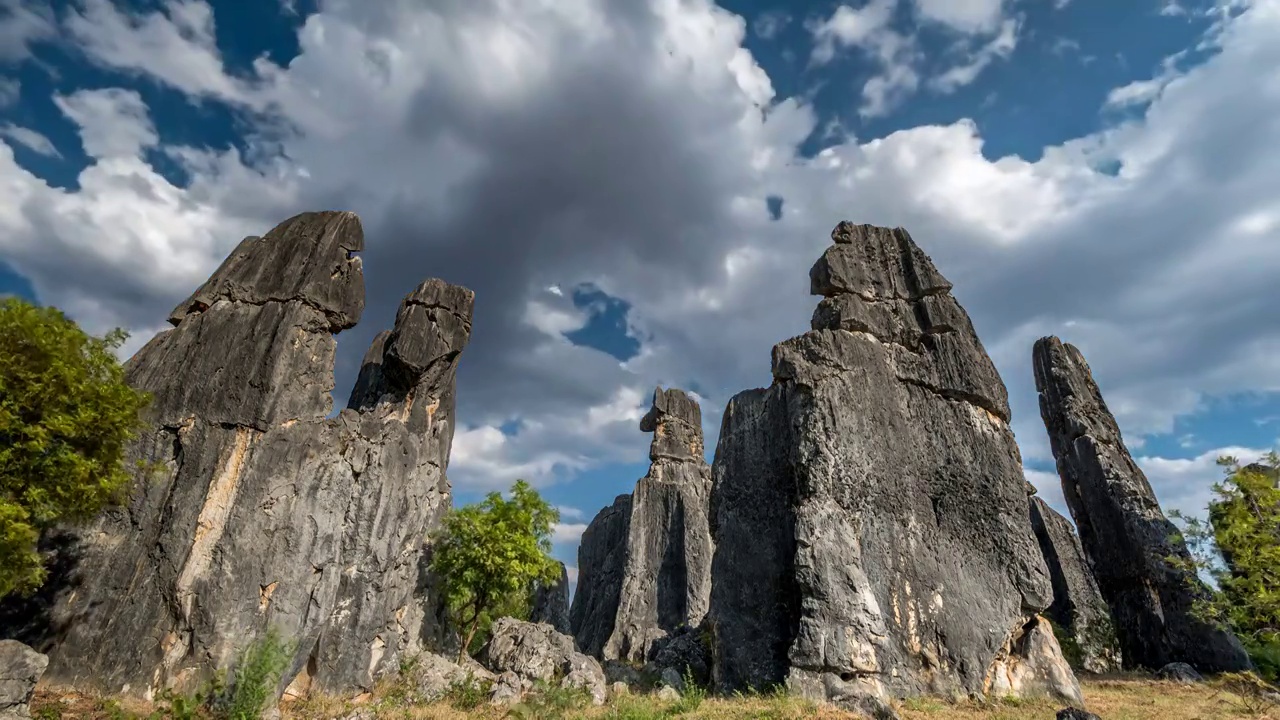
(308,258)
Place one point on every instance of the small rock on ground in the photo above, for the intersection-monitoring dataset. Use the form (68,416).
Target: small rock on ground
(1072,713)
(1179,672)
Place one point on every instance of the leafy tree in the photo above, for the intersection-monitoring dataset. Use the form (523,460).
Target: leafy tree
(1239,548)
(490,554)
(66,416)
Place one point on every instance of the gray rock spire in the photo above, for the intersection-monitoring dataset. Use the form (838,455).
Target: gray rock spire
(662,559)
(869,508)
(1123,532)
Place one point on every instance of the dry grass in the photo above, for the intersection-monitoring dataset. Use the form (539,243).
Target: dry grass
(1112,699)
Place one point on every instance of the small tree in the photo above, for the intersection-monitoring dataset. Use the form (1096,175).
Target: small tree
(1239,548)
(66,415)
(489,554)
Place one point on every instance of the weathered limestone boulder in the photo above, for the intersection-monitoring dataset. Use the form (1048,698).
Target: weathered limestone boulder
(20,670)
(664,556)
(550,602)
(254,510)
(432,676)
(536,652)
(1078,607)
(869,509)
(1123,532)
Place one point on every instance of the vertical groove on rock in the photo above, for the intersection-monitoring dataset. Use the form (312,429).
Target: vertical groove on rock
(1127,538)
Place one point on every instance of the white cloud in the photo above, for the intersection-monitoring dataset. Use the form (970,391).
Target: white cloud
(10,92)
(175,45)
(851,27)
(22,24)
(968,16)
(570,513)
(510,146)
(1186,484)
(568,532)
(1142,92)
(998,48)
(30,139)
(869,29)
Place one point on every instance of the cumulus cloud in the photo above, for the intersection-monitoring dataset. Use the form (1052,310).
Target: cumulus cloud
(516,146)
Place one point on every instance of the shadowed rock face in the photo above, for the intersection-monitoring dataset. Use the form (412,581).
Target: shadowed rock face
(602,558)
(256,511)
(663,558)
(869,509)
(550,603)
(1123,532)
(1078,607)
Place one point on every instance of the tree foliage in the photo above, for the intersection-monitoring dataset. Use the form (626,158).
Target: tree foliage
(1239,548)
(490,554)
(66,415)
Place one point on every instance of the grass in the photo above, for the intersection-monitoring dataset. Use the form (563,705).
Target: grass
(1119,698)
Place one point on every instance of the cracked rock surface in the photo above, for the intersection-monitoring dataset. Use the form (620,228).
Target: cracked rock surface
(645,562)
(869,509)
(1125,535)
(255,510)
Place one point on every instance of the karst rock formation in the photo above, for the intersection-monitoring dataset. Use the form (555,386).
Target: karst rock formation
(869,509)
(254,510)
(550,602)
(645,562)
(1078,607)
(1126,537)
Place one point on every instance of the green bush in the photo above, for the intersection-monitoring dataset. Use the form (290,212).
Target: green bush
(66,416)
(489,555)
(1239,547)
(254,681)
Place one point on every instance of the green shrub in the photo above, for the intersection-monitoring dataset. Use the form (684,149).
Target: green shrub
(1239,547)
(489,555)
(469,694)
(66,416)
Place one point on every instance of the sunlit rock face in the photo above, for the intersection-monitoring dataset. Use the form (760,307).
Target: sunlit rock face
(869,509)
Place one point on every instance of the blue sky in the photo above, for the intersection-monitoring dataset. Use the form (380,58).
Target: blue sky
(636,190)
